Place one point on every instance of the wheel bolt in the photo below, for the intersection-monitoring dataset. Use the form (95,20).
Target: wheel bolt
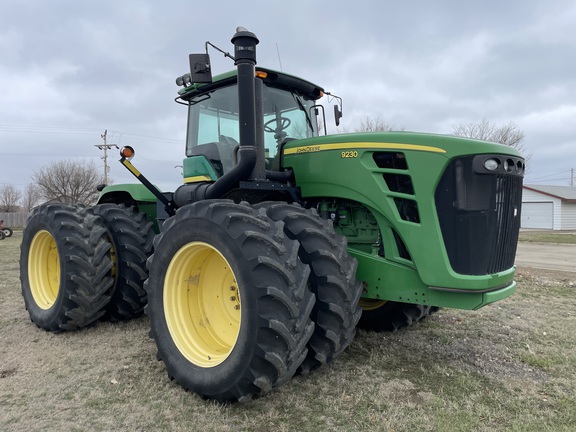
(233,298)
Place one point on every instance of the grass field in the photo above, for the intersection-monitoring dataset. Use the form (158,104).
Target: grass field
(548,236)
(508,367)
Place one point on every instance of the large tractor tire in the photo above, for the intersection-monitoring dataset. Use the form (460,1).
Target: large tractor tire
(65,267)
(2,235)
(130,235)
(228,303)
(332,280)
(7,232)
(381,315)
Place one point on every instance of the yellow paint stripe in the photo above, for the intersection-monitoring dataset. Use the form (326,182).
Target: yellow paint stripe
(131,167)
(361,145)
(195,179)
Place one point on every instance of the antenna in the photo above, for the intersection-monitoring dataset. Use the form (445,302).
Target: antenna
(279,59)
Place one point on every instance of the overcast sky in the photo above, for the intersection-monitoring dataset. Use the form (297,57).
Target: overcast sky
(71,69)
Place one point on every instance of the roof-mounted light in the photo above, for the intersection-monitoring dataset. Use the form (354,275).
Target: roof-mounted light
(184,80)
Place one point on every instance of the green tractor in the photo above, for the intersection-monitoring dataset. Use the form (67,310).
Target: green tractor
(282,240)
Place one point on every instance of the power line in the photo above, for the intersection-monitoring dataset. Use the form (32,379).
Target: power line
(75,131)
(567,179)
(46,129)
(549,175)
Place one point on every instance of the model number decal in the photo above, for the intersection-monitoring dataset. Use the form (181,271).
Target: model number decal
(349,154)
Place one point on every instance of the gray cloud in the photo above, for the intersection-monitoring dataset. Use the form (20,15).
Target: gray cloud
(71,69)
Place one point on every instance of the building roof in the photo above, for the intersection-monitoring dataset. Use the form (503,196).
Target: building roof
(566,193)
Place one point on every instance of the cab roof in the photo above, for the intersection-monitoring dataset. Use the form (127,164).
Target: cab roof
(272,78)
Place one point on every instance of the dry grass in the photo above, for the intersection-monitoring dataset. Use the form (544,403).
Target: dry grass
(510,366)
(548,236)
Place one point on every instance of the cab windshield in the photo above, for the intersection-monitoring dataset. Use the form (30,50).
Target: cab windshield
(213,121)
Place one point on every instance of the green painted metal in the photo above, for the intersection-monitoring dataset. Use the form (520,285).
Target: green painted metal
(388,280)
(129,194)
(339,170)
(195,88)
(138,192)
(198,166)
(230,77)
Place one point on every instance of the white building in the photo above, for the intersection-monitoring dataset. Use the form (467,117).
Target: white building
(549,207)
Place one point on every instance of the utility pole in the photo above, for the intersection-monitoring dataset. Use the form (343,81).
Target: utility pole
(105,147)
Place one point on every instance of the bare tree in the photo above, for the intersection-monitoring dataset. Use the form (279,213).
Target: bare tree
(377,124)
(507,134)
(31,197)
(9,197)
(69,182)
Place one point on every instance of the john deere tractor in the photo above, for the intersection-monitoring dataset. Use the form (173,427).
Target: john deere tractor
(281,239)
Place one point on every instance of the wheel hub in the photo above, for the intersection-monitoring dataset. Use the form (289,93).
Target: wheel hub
(44,269)
(202,304)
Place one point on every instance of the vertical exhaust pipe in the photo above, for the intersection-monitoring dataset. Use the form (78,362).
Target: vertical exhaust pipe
(245,60)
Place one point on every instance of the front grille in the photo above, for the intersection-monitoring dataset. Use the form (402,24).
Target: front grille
(479,214)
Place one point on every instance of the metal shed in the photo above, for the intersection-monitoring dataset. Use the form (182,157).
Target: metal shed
(549,207)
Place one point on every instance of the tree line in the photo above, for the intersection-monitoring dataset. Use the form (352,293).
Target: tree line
(64,181)
(508,134)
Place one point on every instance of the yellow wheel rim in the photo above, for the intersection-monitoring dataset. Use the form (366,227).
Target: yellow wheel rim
(371,304)
(202,304)
(44,269)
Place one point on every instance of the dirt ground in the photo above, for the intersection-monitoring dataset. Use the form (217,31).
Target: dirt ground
(510,366)
(547,256)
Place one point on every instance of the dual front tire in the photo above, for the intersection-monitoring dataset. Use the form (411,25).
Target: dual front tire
(332,280)
(228,301)
(385,316)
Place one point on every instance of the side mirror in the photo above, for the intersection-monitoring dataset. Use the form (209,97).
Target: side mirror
(337,115)
(200,70)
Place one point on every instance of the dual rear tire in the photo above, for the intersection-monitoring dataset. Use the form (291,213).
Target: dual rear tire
(78,265)
(64,267)
(130,236)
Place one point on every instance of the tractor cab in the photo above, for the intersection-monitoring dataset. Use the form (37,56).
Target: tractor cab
(289,112)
